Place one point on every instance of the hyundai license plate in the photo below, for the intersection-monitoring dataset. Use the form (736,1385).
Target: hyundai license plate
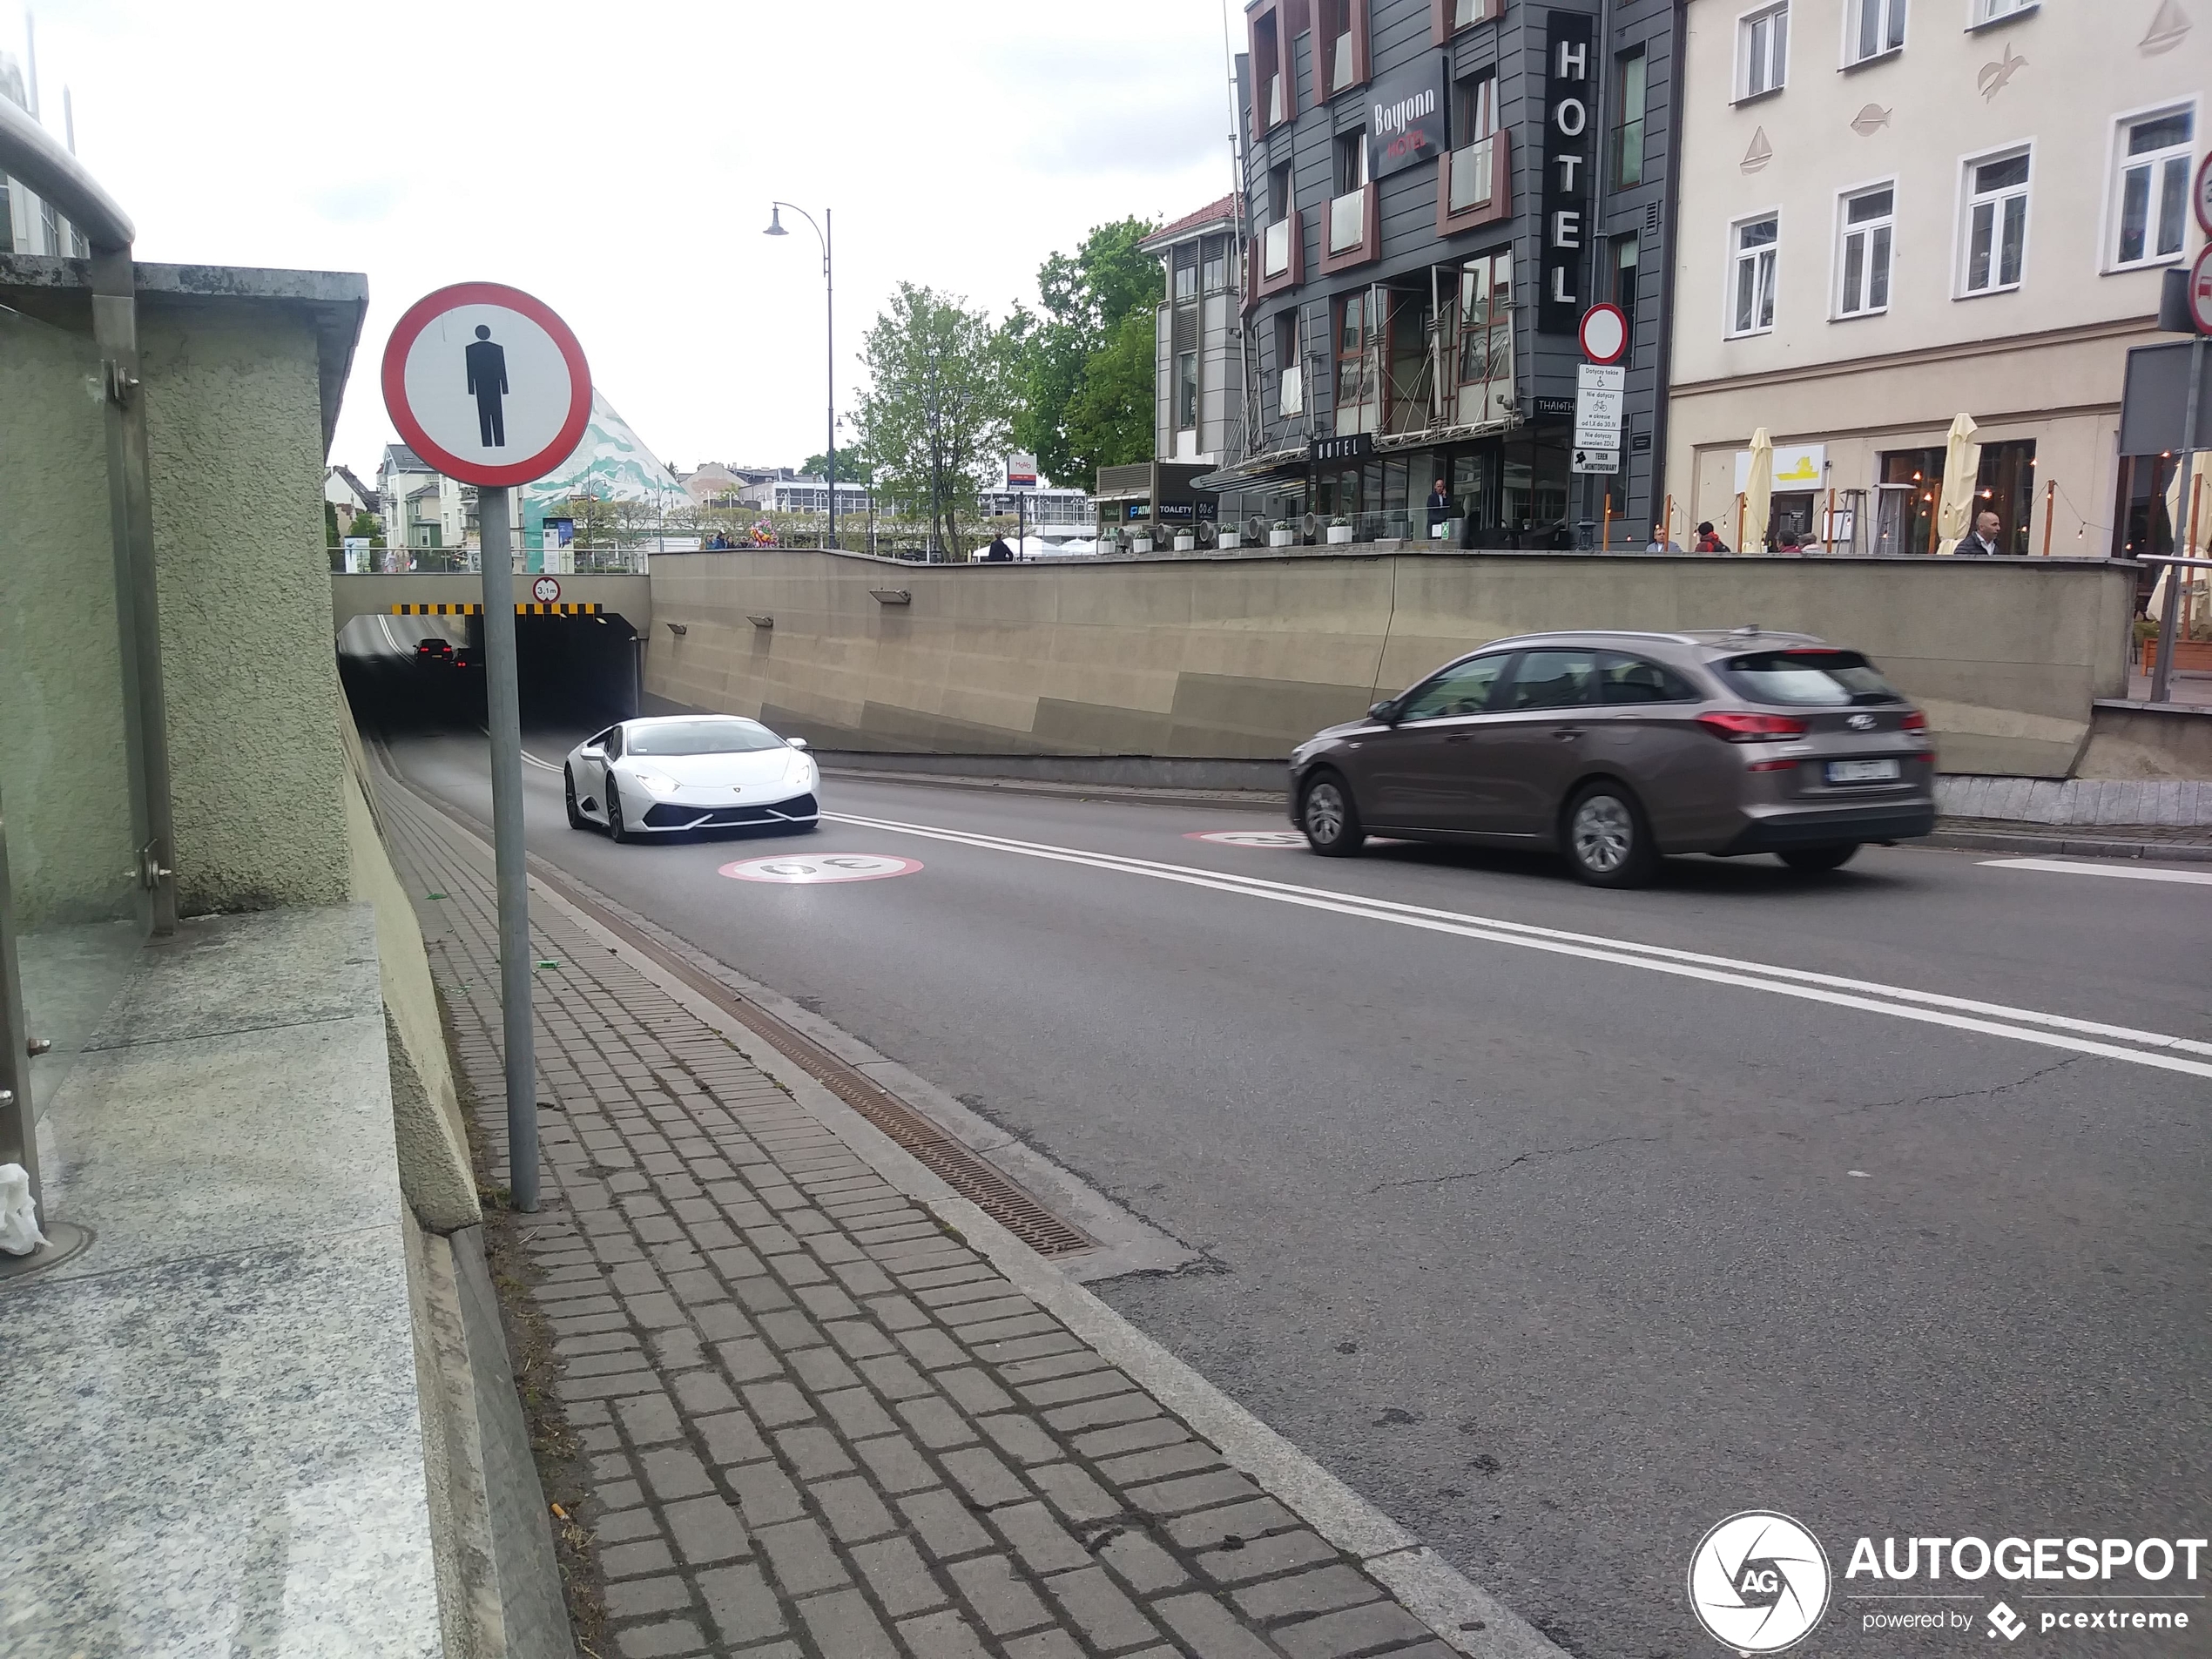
(1863,771)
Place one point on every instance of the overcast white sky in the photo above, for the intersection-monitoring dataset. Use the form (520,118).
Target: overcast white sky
(617,160)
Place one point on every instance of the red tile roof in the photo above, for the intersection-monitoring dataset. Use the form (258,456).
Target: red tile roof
(1227,208)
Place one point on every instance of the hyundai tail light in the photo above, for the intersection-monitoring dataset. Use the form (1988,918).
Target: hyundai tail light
(1754,728)
(1914,721)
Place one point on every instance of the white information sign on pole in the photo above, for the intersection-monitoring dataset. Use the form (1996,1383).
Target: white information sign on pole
(1593,460)
(1600,377)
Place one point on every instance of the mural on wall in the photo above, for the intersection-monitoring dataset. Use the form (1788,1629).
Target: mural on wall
(1759,154)
(611,463)
(2169,27)
(1995,77)
(1870,120)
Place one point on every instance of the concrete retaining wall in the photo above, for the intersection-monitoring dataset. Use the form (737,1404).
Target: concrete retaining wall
(1240,657)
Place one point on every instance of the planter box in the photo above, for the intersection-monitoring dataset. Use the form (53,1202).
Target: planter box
(1230,541)
(2194,655)
(1141,544)
(1280,538)
(1186,543)
(1339,533)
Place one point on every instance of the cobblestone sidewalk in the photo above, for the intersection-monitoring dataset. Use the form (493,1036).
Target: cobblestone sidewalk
(818,1423)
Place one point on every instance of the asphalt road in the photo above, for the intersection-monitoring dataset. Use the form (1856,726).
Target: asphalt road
(1558,1250)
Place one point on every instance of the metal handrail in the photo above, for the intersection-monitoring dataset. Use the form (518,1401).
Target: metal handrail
(27,151)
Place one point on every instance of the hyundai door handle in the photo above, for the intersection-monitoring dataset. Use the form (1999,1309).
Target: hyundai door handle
(1460,737)
(1566,733)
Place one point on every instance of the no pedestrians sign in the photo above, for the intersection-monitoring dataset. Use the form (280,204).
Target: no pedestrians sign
(487,384)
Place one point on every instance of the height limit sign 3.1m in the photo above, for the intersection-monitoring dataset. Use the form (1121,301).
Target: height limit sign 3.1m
(486,385)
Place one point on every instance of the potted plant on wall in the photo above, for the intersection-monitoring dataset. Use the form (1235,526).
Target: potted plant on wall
(1141,539)
(1229,537)
(1339,530)
(1281,534)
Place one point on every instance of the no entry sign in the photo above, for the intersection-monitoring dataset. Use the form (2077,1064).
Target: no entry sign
(486,384)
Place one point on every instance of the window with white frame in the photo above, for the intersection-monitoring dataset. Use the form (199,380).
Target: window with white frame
(2151,190)
(1762,52)
(1864,238)
(1750,303)
(1995,10)
(1996,223)
(1874,28)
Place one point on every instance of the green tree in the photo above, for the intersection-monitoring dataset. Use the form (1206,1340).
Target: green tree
(1109,419)
(852,466)
(1087,297)
(369,525)
(330,522)
(935,413)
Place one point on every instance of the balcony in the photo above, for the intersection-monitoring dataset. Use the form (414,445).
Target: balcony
(1291,392)
(1281,263)
(1355,230)
(1474,186)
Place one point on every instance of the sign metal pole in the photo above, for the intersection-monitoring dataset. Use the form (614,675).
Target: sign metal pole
(2162,666)
(505,709)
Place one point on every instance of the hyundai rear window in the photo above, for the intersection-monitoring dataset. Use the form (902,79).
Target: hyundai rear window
(702,738)
(1809,678)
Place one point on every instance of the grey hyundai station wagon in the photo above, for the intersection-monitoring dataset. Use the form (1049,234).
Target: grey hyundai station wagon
(1615,749)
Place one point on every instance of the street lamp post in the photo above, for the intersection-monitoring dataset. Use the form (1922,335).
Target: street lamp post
(829,300)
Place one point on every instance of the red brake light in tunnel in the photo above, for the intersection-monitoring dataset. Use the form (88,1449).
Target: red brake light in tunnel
(1914,721)
(1753,728)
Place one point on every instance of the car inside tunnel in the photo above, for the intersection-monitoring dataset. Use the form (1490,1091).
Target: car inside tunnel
(426,673)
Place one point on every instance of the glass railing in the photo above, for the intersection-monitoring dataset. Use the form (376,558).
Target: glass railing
(1291,397)
(1340,63)
(73,898)
(1274,100)
(1275,249)
(1474,175)
(1348,220)
(1627,154)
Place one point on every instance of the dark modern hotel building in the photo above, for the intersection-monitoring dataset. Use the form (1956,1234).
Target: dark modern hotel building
(1436,191)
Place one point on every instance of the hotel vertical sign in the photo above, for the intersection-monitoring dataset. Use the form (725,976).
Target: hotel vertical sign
(1569,122)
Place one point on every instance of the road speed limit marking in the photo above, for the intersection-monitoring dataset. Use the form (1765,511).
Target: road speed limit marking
(815,869)
(1248,838)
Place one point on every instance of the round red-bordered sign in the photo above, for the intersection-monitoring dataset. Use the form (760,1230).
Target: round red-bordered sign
(546,590)
(476,295)
(1604,333)
(2204,195)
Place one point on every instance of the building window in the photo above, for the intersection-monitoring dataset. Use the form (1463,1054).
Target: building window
(1996,223)
(1351,160)
(2152,186)
(1341,24)
(1627,132)
(1625,253)
(1216,264)
(1186,272)
(1763,53)
(1998,11)
(1451,16)
(1475,107)
(50,224)
(1752,282)
(1868,223)
(7,221)
(1290,372)
(1348,207)
(1485,325)
(1359,380)
(1874,29)
(1186,391)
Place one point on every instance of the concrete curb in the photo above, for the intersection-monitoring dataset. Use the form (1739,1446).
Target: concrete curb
(1463,1616)
(1978,839)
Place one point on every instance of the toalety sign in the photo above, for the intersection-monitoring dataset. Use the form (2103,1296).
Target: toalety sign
(1569,90)
(1760,1582)
(1407,112)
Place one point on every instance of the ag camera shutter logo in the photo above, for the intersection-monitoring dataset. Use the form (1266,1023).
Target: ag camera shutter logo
(1758,1582)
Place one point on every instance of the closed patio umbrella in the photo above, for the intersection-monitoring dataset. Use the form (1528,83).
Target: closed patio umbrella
(1961,467)
(1758,492)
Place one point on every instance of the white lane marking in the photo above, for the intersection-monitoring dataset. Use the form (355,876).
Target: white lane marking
(1927,1008)
(2059,866)
(1248,838)
(816,867)
(530,759)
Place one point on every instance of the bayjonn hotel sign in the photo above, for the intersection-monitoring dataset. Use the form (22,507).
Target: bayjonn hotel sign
(1567,169)
(1406,117)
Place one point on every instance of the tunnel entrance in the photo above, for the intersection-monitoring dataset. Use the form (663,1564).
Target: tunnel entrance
(425,673)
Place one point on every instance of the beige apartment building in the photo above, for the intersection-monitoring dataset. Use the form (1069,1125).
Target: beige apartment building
(1892,212)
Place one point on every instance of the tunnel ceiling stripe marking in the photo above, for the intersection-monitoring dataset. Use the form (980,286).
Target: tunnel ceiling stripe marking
(1927,1008)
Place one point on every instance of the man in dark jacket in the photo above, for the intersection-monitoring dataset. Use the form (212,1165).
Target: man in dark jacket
(1982,539)
(999,552)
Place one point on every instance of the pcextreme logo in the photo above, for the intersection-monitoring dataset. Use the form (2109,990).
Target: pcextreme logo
(1759,1582)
